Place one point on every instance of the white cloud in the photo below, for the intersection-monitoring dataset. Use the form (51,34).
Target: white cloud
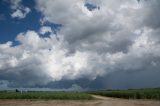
(41,57)
(47,59)
(15,3)
(20,14)
(75,87)
(19,11)
(92,43)
(45,29)
(108,32)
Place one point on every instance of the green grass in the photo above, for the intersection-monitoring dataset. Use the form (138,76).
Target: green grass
(131,94)
(46,95)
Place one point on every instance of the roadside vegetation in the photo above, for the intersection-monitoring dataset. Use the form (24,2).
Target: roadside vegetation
(45,95)
(131,94)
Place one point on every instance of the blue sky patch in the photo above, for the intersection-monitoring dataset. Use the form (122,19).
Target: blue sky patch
(91,6)
(11,27)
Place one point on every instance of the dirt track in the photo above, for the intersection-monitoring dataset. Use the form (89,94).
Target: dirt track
(101,101)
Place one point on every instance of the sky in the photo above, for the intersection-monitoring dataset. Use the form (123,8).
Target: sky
(79,44)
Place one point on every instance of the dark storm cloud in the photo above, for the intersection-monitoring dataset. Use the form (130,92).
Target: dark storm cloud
(152,16)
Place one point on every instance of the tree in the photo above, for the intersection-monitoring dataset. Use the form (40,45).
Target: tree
(17,90)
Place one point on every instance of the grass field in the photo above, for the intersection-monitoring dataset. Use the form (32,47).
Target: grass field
(131,94)
(46,95)
(127,94)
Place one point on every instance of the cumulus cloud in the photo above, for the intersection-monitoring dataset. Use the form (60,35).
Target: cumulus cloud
(19,11)
(39,60)
(45,29)
(19,14)
(120,36)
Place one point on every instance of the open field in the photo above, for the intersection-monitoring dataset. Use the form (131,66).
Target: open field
(101,101)
(46,95)
(131,94)
(76,98)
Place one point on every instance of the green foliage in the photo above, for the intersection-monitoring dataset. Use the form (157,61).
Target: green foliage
(46,95)
(131,94)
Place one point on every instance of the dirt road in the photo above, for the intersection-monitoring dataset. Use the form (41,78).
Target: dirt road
(101,101)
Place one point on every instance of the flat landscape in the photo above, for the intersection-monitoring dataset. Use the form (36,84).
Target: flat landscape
(150,97)
(100,101)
